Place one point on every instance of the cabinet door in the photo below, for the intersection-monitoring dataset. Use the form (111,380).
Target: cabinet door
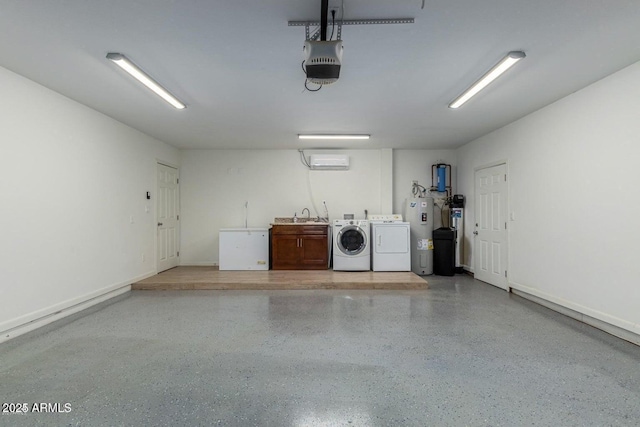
(285,251)
(315,251)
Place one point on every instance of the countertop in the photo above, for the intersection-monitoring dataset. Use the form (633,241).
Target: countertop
(300,223)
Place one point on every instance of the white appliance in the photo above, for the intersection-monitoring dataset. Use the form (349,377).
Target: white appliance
(329,161)
(323,60)
(351,245)
(244,249)
(391,250)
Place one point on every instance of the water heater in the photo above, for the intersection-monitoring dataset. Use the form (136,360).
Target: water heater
(419,212)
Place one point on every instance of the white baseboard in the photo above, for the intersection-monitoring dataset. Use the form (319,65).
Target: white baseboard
(618,327)
(31,321)
(198,264)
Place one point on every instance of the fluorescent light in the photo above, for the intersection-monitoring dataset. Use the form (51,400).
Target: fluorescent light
(124,63)
(318,136)
(502,66)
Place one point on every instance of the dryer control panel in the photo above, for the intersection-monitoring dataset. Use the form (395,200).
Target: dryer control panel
(386,218)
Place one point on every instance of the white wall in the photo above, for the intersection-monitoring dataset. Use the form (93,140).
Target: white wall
(415,165)
(573,188)
(215,184)
(72,178)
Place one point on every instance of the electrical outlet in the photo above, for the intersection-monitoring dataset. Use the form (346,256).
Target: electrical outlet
(335,5)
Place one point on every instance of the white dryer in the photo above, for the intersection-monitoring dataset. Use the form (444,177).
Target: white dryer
(391,246)
(351,245)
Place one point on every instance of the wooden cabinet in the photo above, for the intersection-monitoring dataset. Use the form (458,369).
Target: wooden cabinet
(300,247)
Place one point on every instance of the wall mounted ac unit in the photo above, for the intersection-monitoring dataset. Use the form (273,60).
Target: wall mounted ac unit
(333,162)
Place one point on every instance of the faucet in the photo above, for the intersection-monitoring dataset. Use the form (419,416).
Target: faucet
(308,213)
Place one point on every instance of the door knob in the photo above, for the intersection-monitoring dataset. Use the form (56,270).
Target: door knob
(475,233)
(159,224)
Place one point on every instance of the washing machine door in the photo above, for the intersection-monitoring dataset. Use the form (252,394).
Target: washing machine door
(351,240)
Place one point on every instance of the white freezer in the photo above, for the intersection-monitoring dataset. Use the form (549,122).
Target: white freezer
(244,249)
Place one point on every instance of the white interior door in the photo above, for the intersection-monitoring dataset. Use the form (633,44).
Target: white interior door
(491,226)
(168,218)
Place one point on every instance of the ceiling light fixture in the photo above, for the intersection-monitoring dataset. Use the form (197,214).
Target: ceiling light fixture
(502,66)
(319,136)
(124,63)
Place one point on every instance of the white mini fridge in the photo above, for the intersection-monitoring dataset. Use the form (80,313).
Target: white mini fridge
(244,249)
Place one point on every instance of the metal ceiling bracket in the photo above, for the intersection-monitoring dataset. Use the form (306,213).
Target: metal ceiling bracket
(308,24)
(316,36)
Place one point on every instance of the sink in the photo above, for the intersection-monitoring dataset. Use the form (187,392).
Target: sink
(289,220)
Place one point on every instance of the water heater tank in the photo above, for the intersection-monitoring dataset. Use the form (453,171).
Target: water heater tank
(419,212)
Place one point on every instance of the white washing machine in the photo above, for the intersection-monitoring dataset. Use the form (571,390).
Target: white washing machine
(351,245)
(391,246)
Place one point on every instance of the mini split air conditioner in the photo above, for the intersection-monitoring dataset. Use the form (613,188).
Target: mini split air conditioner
(334,162)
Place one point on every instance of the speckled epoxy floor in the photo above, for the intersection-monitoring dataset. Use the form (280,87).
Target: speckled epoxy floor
(460,353)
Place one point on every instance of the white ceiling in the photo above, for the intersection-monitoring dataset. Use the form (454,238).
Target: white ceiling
(237,65)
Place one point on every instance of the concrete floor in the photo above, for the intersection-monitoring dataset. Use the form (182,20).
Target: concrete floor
(460,353)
